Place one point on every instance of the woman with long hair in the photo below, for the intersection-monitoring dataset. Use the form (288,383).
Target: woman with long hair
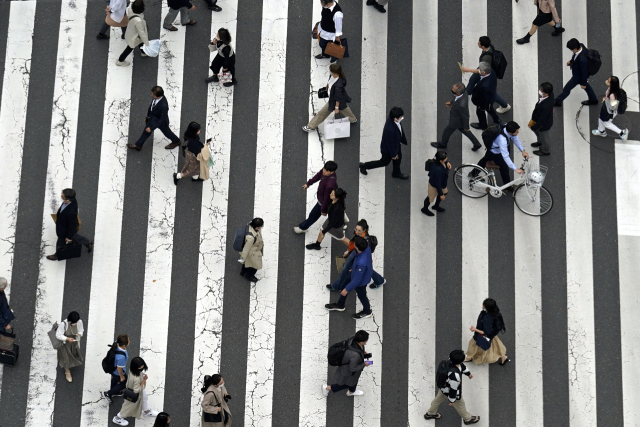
(162,420)
(338,99)
(136,384)
(251,255)
(485,346)
(609,110)
(215,411)
(192,149)
(334,224)
(225,58)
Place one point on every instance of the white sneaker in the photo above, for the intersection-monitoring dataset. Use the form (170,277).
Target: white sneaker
(123,63)
(625,135)
(325,392)
(355,393)
(597,132)
(120,421)
(151,413)
(307,129)
(355,121)
(299,230)
(501,110)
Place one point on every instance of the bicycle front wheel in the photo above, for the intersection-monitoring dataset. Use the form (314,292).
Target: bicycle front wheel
(468,178)
(534,201)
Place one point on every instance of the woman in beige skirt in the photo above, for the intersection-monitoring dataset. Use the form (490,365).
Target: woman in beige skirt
(192,149)
(136,382)
(489,324)
(214,402)
(69,332)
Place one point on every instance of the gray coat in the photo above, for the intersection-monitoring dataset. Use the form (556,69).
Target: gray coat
(459,113)
(352,365)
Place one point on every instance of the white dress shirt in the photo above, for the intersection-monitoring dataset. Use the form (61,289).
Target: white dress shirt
(337,19)
(155,102)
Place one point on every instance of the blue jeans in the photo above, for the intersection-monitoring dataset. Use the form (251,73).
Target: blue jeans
(313,217)
(474,80)
(361,291)
(342,281)
(569,87)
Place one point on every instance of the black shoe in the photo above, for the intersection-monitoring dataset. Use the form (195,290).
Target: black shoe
(535,144)
(331,289)
(175,178)
(558,31)
(427,212)
(90,247)
(333,307)
(473,420)
(438,145)
(400,176)
(52,257)
(374,286)
(540,153)
(122,36)
(233,82)
(250,278)
(363,171)
(477,126)
(212,79)
(215,8)
(438,208)
(380,8)
(590,102)
(102,36)
(557,104)
(371,2)
(433,417)
(321,56)
(333,60)
(523,40)
(362,315)
(314,246)
(476,147)
(104,395)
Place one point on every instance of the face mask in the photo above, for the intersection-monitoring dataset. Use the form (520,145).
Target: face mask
(220,386)
(400,119)
(540,93)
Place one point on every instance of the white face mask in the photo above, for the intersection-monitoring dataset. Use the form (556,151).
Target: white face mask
(220,386)
(400,119)
(540,93)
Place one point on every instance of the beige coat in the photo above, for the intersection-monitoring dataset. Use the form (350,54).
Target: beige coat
(210,404)
(548,6)
(203,158)
(252,251)
(137,31)
(130,409)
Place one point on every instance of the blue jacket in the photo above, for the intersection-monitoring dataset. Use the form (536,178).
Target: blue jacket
(361,270)
(484,91)
(580,67)
(391,138)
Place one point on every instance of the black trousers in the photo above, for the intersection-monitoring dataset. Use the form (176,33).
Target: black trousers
(127,50)
(498,160)
(166,131)
(76,238)
(248,271)
(449,130)
(482,116)
(217,62)
(116,385)
(384,161)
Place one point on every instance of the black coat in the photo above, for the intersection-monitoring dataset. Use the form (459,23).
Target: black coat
(438,177)
(67,222)
(580,67)
(159,116)
(177,4)
(543,114)
(6,316)
(485,91)
(338,93)
(335,217)
(194,145)
(392,138)
(459,113)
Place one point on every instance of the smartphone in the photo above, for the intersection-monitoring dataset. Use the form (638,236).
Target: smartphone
(368,362)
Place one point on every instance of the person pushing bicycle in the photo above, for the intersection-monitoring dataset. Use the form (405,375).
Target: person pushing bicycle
(499,151)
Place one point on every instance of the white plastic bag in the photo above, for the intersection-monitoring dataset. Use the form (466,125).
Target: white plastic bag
(152,49)
(337,128)
(225,77)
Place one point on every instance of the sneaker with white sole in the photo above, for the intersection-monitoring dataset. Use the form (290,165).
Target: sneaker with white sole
(362,315)
(299,230)
(123,63)
(502,110)
(596,132)
(325,392)
(104,395)
(123,422)
(374,286)
(150,413)
(354,122)
(625,135)
(307,129)
(333,307)
(355,393)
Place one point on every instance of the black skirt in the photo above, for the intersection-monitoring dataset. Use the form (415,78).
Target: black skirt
(542,19)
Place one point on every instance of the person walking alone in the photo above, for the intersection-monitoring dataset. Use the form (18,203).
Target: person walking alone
(157,118)
(328,181)
(353,363)
(392,136)
(251,255)
(330,26)
(136,34)
(215,411)
(485,346)
(67,223)
(437,187)
(579,64)
(69,332)
(225,58)
(547,14)
(137,383)
(178,6)
(192,150)
(338,100)
(609,110)
(542,119)
(458,118)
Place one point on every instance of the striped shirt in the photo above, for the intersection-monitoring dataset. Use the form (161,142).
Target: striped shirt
(453,388)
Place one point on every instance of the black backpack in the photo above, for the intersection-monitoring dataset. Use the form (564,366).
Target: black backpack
(594,62)
(109,361)
(336,353)
(428,164)
(622,102)
(498,63)
(491,133)
(238,240)
(373,242)
(442,373)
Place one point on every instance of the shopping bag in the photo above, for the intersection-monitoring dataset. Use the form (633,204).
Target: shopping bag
(337,128)
(153,49)
(225,77)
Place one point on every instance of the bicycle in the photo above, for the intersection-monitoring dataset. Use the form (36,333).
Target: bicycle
(529,194)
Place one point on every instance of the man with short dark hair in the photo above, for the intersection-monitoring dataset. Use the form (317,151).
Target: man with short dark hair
(157,118)
(392,136)
(542,119)
(458,118)
(484,43)
(579,64)
(361,272)
(67,223)
(330,26)
(328,183)
(499,152)
(483,96)
(353,363)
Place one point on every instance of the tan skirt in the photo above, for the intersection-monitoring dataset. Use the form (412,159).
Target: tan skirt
(479,356)
(191,166)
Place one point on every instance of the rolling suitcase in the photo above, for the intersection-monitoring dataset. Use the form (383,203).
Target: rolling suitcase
(10,357)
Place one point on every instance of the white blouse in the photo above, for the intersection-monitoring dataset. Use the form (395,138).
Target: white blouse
(62,328)
(118,9)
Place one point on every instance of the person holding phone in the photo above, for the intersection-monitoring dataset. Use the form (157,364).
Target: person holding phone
(69,332)
(136,382)
(353,363)
(191,149)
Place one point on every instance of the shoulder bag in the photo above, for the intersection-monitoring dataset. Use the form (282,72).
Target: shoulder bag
(7,339)
(55,342)
(130,395)
(213,418)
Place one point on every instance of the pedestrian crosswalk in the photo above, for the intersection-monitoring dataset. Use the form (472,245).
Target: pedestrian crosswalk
(163,269)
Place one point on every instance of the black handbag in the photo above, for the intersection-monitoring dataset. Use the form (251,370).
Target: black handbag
(323,93)
(69,251)
(130,395)
(213,418)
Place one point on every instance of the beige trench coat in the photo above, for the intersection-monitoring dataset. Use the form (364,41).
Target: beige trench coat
(252,251)
(137,31)
(210,405)
(130,409)
(203,158)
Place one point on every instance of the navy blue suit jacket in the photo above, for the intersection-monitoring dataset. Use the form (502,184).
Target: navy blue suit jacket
(580,67)
(159,115)
(485,91)
(67,222)
(391,138)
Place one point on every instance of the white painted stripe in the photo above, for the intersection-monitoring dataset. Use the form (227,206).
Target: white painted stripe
(624,48)
(422,301)
(13,113)
(366,412)
(262,311)
(108,233)
(627,161)
(162,207)
(317,264)
(528,304)
(475,217)
(213,227)
(62,150)
(577,159)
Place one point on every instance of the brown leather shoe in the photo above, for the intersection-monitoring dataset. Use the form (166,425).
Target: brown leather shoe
(134,147)
(172,145)
(192,22)
(172,28)
(52,257)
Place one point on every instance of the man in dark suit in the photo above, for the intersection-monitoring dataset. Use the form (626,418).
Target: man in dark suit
(458,118)
(67,223)
(483,95)
(392,136)
(157,118)
(542,119)
(579,64)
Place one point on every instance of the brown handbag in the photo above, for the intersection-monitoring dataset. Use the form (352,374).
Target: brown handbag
(335,50)
(110,22)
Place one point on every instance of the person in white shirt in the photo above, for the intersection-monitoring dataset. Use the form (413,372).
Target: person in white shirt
(330,26)
(116,17)
(69,332)
(499,152)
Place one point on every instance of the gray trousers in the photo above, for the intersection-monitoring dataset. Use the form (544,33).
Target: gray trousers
(171,16)
(543,139)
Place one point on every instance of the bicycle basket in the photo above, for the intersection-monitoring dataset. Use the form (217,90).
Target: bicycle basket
(536,175)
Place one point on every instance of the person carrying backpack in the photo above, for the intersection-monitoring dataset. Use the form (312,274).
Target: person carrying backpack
(251,254)
(547,14)
(449,382)
(351,366)
(118,368)
(613,103)
(580,70)
(485,346)
(498,151)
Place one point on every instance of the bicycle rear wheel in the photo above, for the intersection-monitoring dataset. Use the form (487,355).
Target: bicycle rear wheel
(534,201)
(467,177)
